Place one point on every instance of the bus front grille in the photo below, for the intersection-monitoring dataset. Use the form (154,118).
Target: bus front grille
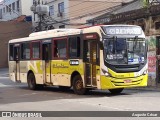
(129,83)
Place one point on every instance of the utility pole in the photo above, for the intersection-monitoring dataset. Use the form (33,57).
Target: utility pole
(41,10)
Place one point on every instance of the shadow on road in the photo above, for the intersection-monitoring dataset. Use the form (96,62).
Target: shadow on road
(23,94)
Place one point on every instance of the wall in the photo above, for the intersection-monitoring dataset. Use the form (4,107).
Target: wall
(85,10)
(26,4)
(152,60)
(11,30)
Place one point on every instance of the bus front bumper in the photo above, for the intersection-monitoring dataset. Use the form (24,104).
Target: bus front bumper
(113,83)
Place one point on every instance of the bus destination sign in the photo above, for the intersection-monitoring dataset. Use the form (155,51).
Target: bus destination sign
(123,30)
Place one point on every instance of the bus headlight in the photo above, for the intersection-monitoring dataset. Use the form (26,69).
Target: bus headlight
(106,73)
(145,72)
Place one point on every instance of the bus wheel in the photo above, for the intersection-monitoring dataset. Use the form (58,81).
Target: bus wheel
(116,91)
(78,85)
(31,81)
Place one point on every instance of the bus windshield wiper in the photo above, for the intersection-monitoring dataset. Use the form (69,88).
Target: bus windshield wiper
(135,42)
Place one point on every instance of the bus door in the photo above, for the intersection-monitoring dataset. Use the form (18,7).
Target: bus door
(46,55)
(17,60)
(91,57)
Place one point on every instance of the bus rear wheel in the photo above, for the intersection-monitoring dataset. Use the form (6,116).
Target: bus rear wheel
(31,81)
(116,91)
(78,85)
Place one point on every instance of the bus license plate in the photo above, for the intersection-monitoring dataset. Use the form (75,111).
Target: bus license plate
(127,81)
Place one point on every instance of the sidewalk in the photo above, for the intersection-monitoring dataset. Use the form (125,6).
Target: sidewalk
(147,88)
(4,72)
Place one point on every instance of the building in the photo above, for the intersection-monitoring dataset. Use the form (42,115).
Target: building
(12,9)
(15,17)
(74,13)
(11,30)
(146,15)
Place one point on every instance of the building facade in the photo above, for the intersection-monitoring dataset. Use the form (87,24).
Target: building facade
(74,13)
(148,17)
(13,17)
(12,9)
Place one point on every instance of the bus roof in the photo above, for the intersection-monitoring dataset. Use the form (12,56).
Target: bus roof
(63,32)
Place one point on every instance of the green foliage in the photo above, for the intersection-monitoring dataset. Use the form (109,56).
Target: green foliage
(145,3)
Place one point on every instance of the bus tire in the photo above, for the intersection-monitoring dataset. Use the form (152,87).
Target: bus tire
(116,91)
(31,81)
(78,85)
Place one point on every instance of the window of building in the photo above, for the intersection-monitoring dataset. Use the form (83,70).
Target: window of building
(157,25)
(51,10)
(11,52)
(61,7)
(60,48)
(25,51)
(18,7)
(74,47)
(9,8)
(36,50)
(0,13)
(13,6)
(4,10)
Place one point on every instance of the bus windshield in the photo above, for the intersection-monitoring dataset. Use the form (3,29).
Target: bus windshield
(125,50)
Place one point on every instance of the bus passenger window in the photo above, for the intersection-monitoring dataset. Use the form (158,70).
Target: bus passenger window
(60,48)
(55,49)
(11,52)
(36,50)
(25,51)
(74,47)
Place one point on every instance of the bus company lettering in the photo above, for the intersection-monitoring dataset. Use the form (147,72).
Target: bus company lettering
(59,66)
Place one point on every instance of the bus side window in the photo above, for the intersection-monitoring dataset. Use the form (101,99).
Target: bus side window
(74,47)
(35,50)
(25,51)
(11,52)
(60,48)
(55,49)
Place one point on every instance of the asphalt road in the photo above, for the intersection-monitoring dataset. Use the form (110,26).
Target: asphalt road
(17,97)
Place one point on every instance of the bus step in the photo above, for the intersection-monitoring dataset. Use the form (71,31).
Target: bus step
(49,84)
(91,86)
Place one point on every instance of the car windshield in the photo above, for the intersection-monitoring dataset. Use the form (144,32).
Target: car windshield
(125,50)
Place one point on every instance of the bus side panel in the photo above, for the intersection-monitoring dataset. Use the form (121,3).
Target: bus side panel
(23,71)
(12,70)
(98,77)
(60,72)
(77,68)
(36,67)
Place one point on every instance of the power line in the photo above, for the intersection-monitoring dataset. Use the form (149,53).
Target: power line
(88,14)
(72,5)
(85,9)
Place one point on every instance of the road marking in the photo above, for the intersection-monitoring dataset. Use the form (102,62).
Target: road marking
(28,94)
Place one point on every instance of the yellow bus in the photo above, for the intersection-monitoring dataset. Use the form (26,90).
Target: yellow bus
(103,57)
